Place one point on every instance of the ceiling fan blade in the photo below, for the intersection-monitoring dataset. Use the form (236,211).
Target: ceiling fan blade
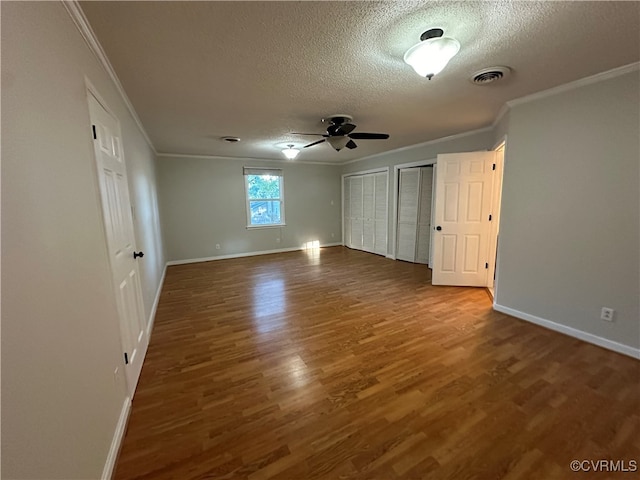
(351,144)
(369,136)
(316,134)
(346,128)
(314,143)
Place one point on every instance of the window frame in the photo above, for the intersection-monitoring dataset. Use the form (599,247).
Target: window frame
(276,172)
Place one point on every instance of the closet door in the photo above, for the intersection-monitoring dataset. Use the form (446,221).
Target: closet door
(380,214)
(368,210)
(357,220)
(346,216)
(424,215)
(408,205)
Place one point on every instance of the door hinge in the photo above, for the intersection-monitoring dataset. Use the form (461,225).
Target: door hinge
(490,217)
(486,265)
(95,136)
(126,358)
(493,167)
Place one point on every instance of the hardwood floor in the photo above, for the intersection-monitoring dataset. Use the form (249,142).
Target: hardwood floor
(342,364)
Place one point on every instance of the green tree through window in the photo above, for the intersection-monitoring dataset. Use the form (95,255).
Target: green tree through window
(264,197)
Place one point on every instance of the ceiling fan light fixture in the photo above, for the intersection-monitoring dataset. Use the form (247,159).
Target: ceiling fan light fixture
(338,143)
(431,55)
(290,152)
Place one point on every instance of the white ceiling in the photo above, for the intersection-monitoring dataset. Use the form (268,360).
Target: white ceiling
(196,71)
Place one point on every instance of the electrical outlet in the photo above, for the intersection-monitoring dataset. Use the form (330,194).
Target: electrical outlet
(607,314)
(278,240)
(333,235)
(217,246)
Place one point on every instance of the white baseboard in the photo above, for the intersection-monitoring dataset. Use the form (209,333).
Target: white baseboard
(154,308)
(246,254)
(572,332)
(118,435)
(391,257)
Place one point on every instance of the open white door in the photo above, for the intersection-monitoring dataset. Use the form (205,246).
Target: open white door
(118,223)
(462,222)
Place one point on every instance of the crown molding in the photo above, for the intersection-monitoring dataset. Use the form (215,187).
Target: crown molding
(421,145)
(598,77)
(250,159)
(82,24)
(501,113)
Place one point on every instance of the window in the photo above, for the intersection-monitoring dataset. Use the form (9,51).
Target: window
(265,200)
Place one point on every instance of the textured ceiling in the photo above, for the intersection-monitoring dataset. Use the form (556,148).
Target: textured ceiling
(196,71)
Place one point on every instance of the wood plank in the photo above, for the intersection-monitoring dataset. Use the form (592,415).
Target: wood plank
(349,365)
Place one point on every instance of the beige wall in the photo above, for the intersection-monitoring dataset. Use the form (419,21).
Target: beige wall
(569,230)
(202,202)
(60,336)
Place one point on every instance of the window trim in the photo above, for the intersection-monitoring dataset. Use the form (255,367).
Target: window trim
(276,172)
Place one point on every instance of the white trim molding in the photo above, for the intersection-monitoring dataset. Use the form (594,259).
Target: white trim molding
(80,20)
(250,159)
(572,332)
(420,145)
(116,441)
(246,254)
(598,77)
(156,301)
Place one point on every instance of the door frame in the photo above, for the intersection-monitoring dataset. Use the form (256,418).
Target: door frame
(393,238)
(496,207)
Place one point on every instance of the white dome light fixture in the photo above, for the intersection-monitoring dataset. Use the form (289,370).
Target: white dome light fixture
(432,54)
(290,152)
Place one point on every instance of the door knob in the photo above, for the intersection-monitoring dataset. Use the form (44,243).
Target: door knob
(138,254)
(438,228)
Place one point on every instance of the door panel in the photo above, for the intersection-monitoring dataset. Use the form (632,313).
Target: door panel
(118,223)
(356,212)
(380,215)
(462,207)
(424,215)
(408,205)
(368,212)
(346,222)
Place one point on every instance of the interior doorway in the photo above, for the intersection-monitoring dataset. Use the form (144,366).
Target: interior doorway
(495,206)
(414,214)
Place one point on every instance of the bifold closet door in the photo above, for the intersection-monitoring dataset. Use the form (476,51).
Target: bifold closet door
(368,210)
(365,212)
(346,219)
(357,220)
(408,197)
(424,215)
(380,225)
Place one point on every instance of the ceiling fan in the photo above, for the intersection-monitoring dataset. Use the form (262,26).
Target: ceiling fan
(339,133)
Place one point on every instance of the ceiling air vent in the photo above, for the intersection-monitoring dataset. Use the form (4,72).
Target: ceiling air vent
(489,75)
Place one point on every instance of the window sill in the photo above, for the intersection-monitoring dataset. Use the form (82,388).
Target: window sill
(252,227)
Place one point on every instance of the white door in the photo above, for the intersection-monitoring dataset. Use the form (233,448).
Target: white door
(408,203)
(424,215)
(463,204)
(356,212)
(368,212)
(380,215)
(346,223)
(116,212)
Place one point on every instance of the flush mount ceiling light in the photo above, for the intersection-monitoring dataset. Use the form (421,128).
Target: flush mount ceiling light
(432,54)
(290,152)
